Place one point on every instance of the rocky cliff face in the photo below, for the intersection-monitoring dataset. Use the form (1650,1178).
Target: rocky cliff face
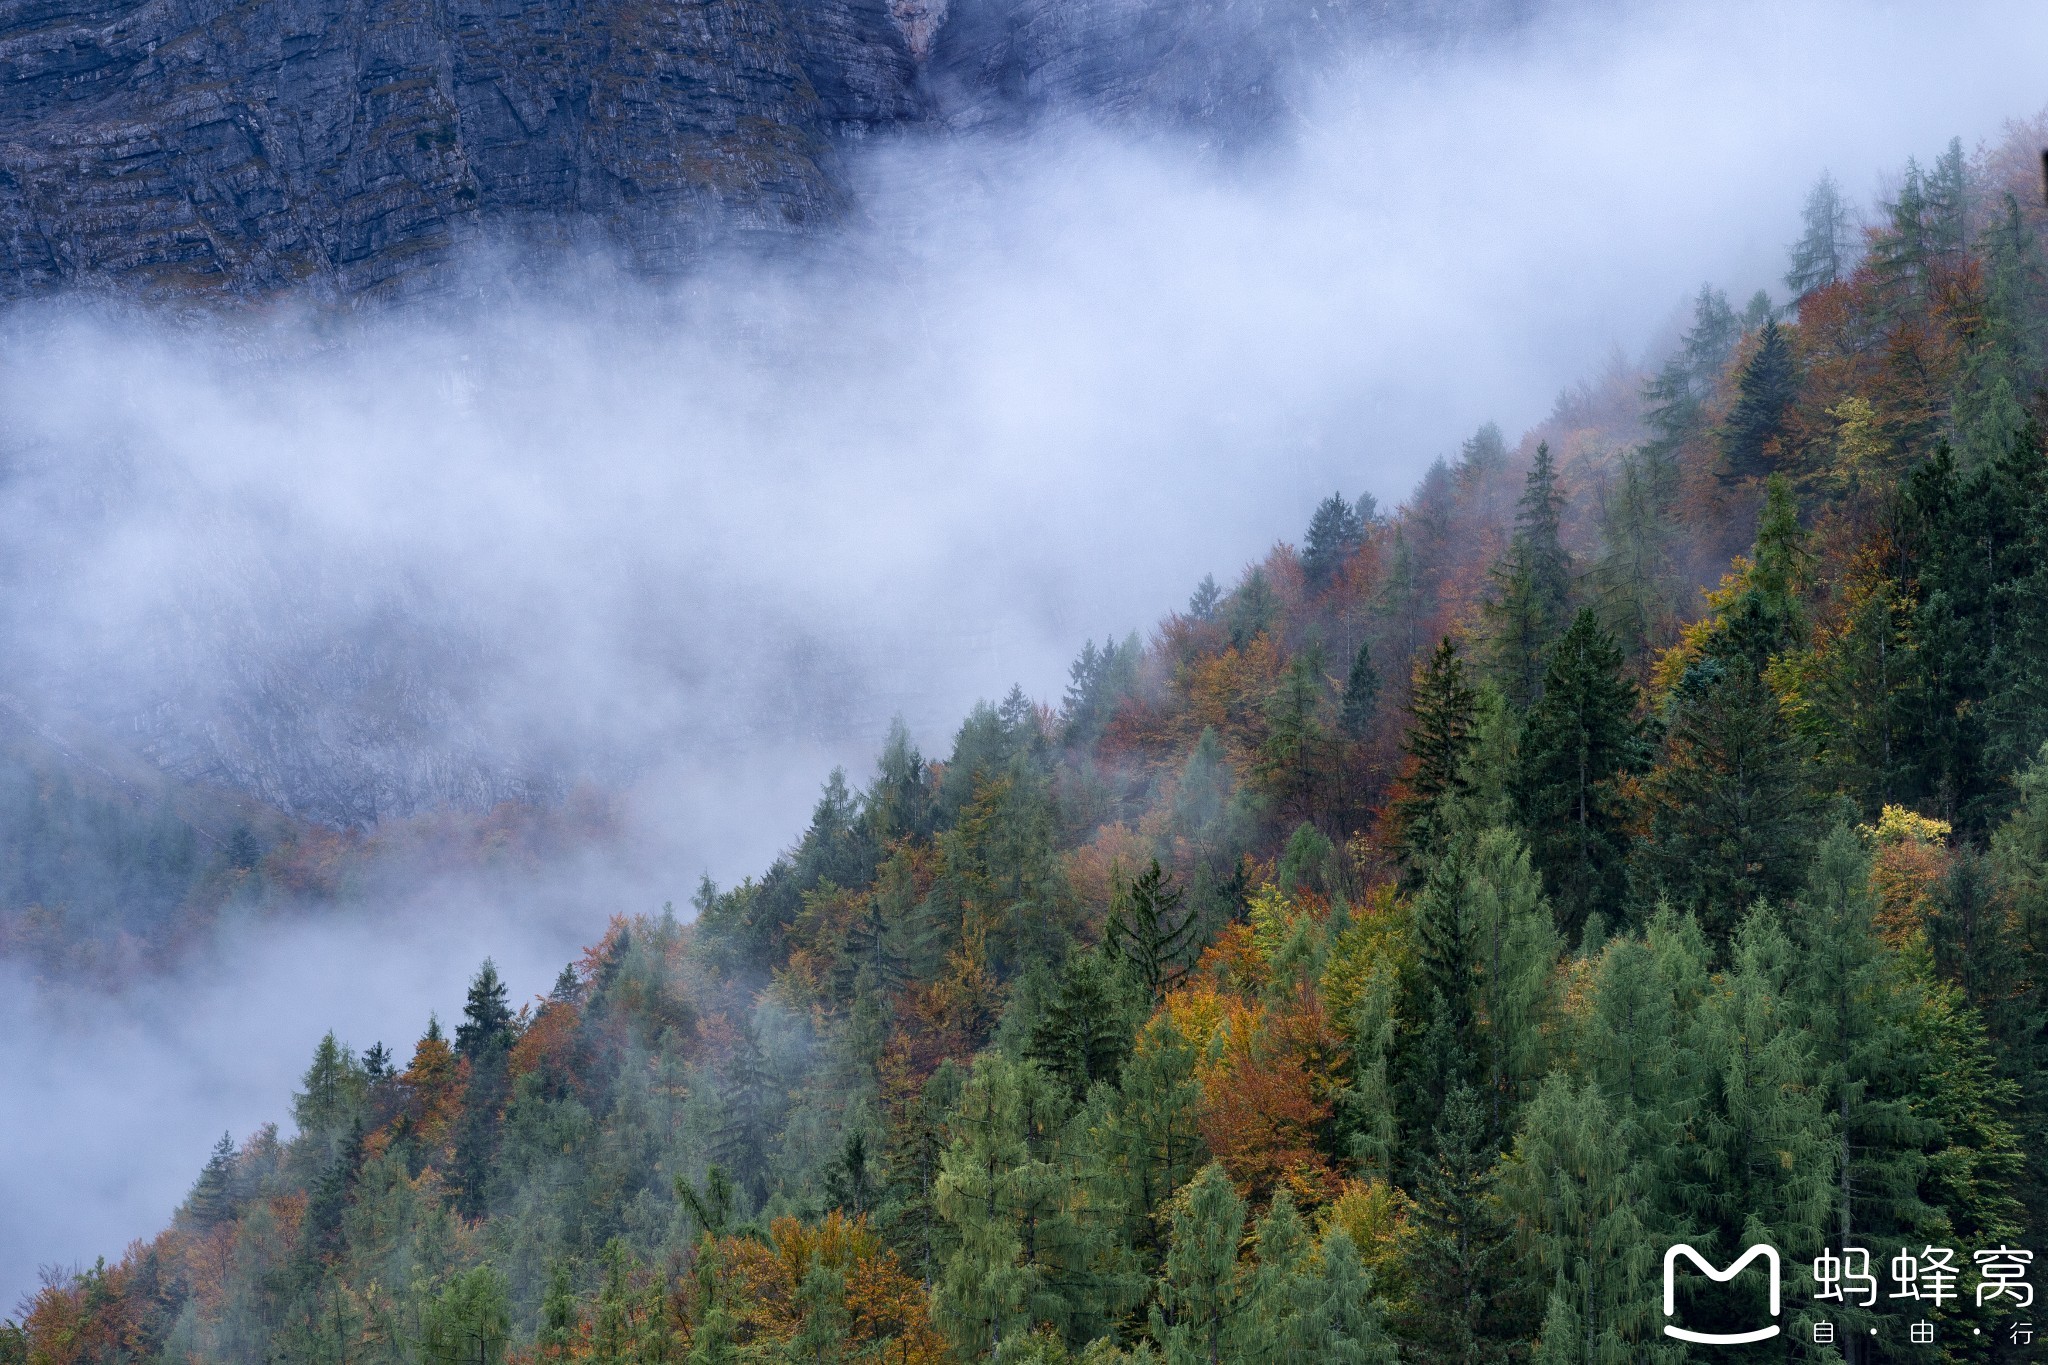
(165,147)
(172,145)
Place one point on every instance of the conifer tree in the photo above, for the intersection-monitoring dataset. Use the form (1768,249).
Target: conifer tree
(1858,1011)
(1532,586)
(1769,383)
(1019,1255)
(1201,1292)
(1334,535)
(1082,1032)
(1295,757)
(1361,695)
(560,1318)
(1442,708)
(1145,1144)
(213,1201)
(1464,1304)
(1822,254)
(1580,1193)
(1730,809)
(486,1018)
(1579,737)
(1148,934)
(1635,576)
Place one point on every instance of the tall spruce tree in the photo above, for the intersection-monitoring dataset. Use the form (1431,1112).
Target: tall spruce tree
(1579,738)
(1361,695)
(1532,586)
(1464,1306)
(1822,255)
(1202,1290)
(1148,934)
(1769,383)
(1730,808)
(1442,708)
(1334,534)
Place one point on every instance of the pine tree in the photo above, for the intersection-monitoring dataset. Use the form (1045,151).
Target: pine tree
(1019,1255)
(1463,1309)
(1532,587)
(1580,1192)
(560,1318)
(1822,254)
(1145,1145)
(1730,809)
(1201,1291)
(1252,608)
(1148,934)
(1202,604)
(1858,1010)
(1442,708)
(850,1179)
(486,1018)
(1635,575)
(1335,534)
(213,1198)
(1579,738)
(1758,1168)
(1769,383)
(331,1093)
(1082,1033)
(1361,695)
(1294,759)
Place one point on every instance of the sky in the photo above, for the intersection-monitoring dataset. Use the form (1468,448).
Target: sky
(699,540)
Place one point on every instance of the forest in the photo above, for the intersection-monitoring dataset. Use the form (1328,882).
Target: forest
(1638,836)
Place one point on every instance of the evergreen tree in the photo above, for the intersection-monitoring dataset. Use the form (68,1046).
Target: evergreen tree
(1464,1297)
(1483,457)
(1361,695)
(1082,1034)
(1295,757)
(213,1198)
(1201,1292)
(1729,805)
(1202,604)
(1858,1010)
(1252,608)
(560,1318)
(1442,708)
(850,1179)
(1019,1255)
(1532,586)
(486,1018)
(1769,383)
(1148,934)
(1579,1190)
(1822,254)
(330,1098)
(1144,1144)
(1335,534)
(470,1321)
(1635,575)
(1579,738)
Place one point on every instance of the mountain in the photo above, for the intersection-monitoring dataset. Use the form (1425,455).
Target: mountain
(349,147)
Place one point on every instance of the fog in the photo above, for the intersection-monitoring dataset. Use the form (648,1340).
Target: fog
(697,541)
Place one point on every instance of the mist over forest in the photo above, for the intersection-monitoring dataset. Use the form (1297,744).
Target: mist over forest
(523,614)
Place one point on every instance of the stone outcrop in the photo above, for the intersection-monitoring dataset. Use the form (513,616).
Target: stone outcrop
(248,147)
(178,145)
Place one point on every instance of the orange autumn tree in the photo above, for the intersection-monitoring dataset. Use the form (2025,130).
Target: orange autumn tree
(831,1284)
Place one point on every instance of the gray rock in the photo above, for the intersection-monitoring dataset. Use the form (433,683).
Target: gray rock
(167,148)
(180,145)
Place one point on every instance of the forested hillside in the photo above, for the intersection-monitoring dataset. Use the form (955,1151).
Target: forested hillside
(1639,835)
